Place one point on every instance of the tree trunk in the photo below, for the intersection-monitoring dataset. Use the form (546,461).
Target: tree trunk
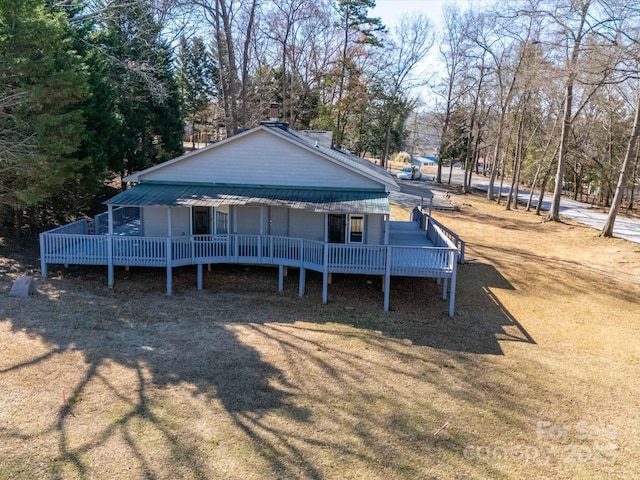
(554,211)
(245,66)
(633,181)
(517,160)
(232,70)
(567,119)
(545,181)
(224,69)
(607,230)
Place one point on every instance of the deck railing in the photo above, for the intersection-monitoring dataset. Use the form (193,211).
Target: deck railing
(362,259)
(63,248)
(436,232)
(387,260)
(439,261)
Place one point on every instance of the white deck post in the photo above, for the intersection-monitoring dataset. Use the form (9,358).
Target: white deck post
(303,274)
(387,279)
(169,255)
(452,295)
(169,279)
(110,272)
(280,278)
(325,275)
(199,276)
(303,271)
(43,261)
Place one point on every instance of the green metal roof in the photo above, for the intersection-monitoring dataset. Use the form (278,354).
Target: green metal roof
(315,200)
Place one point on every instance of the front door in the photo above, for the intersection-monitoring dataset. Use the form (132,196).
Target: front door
(201,220)
(337,224)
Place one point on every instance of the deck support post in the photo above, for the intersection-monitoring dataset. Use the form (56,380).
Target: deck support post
(280,278)
(445,285)
(452,295)
(199,276)
(110,272)
(301,288)
(325,275)
(43,261)
(169,276)
(387,279)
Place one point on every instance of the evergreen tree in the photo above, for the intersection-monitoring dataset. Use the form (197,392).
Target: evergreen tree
(43,84)
(357,29)
(138,67)
(197,78)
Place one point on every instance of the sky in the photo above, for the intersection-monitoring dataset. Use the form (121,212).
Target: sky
(390,12)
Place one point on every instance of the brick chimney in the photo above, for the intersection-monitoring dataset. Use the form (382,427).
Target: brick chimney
(273,112)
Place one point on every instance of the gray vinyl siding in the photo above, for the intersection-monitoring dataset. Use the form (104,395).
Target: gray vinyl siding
(248,219)
(374,225)
(154,221)
(180,221)
(260,158)
(278,222)
(304,224)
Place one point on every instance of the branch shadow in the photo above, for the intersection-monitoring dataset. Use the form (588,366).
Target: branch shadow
(164,351)
(419,313)
(178,344)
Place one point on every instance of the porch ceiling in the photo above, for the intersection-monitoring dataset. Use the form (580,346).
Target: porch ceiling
(324,201)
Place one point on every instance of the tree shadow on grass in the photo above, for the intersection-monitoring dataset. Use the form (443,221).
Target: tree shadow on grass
(155,350)
(480,323)
(190,341)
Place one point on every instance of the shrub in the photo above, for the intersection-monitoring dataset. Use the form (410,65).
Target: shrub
(402,157)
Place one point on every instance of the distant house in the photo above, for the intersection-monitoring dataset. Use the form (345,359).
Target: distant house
(424,161)
(268,196)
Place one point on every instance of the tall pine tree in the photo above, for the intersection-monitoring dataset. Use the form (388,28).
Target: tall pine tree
(197,80)
(137,65)
(43,85)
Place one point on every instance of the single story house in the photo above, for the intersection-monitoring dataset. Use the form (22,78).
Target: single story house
(424,161)
(268,196)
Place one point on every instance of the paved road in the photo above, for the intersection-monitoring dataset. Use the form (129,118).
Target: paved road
(584,213)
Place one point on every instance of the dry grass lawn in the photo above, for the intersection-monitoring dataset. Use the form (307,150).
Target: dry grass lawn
(538,374)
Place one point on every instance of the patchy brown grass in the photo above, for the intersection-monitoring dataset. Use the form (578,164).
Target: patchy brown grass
(537,374)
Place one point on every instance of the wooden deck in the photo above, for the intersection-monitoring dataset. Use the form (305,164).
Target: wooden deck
(420,249)
(408,234)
